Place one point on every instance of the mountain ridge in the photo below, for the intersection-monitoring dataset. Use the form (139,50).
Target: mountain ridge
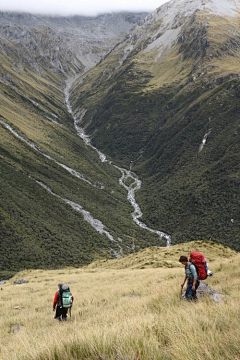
(177,102)
(90,38)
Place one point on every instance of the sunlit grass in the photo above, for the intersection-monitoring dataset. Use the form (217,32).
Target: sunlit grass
(124,314)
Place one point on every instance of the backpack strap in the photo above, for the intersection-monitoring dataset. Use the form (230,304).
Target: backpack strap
(191,263)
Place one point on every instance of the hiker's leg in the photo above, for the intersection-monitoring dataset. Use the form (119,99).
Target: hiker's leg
(197,284)
(58,313)
(189,291)
(64,313)
(195,292)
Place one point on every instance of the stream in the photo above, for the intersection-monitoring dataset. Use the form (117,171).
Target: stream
(126,175)
(135,184)
(95,223)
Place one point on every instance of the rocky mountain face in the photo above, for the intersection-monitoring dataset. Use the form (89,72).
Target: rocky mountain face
(38,50)
(88,38)
(166,102)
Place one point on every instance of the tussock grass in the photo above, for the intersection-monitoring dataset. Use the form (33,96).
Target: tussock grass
(154,256)
(123,313)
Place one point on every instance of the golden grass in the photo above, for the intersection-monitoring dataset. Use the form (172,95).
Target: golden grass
(125,314)
(168,69)
(153,257)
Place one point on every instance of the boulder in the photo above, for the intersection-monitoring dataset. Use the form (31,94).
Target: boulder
(20,281)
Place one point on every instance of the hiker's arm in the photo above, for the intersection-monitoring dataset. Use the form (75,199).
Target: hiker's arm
(195,276)
(55,300)
(182,285)
(194,283)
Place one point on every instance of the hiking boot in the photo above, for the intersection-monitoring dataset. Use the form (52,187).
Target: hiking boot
(58,318)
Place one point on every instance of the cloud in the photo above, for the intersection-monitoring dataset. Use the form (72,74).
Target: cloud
(79,7)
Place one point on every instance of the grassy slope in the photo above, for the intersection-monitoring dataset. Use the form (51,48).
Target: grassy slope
(128,309)
(37,228)
(156,115)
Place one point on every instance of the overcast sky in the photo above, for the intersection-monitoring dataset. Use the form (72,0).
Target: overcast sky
(83,7)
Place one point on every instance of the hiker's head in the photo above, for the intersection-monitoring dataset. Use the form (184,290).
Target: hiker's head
(183,259)
(60,285)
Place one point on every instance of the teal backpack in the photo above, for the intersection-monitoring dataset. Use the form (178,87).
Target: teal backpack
(66,296)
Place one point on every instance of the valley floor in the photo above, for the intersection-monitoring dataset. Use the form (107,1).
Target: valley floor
(129,313)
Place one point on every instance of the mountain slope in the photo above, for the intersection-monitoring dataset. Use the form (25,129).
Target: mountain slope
(166,101)
(59,203)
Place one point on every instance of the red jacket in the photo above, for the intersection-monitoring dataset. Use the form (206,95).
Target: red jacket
(55,300)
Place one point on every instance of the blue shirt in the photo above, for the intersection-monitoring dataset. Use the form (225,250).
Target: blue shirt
(191,272)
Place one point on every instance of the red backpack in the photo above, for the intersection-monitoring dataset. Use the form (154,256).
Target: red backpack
(200,263)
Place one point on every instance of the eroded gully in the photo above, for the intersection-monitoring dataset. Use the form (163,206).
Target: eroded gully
(126,175)
(95,223)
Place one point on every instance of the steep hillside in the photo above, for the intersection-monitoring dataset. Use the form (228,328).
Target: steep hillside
(38,50)
(90,38)
(131,311)
(166,102)
(59,203)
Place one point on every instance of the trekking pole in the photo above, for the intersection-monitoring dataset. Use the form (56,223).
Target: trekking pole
(70,311)
(181,292)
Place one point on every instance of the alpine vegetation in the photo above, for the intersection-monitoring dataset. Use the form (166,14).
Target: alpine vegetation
(85,215)
(118,133)
(129,308)
(165,104)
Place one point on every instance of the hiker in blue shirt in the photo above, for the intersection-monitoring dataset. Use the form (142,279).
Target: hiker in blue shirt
(192,277)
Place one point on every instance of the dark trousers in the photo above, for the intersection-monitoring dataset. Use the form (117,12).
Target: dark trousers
(61,313)
(190,294)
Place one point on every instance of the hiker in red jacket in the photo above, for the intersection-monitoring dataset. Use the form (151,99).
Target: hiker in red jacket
(61,310)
